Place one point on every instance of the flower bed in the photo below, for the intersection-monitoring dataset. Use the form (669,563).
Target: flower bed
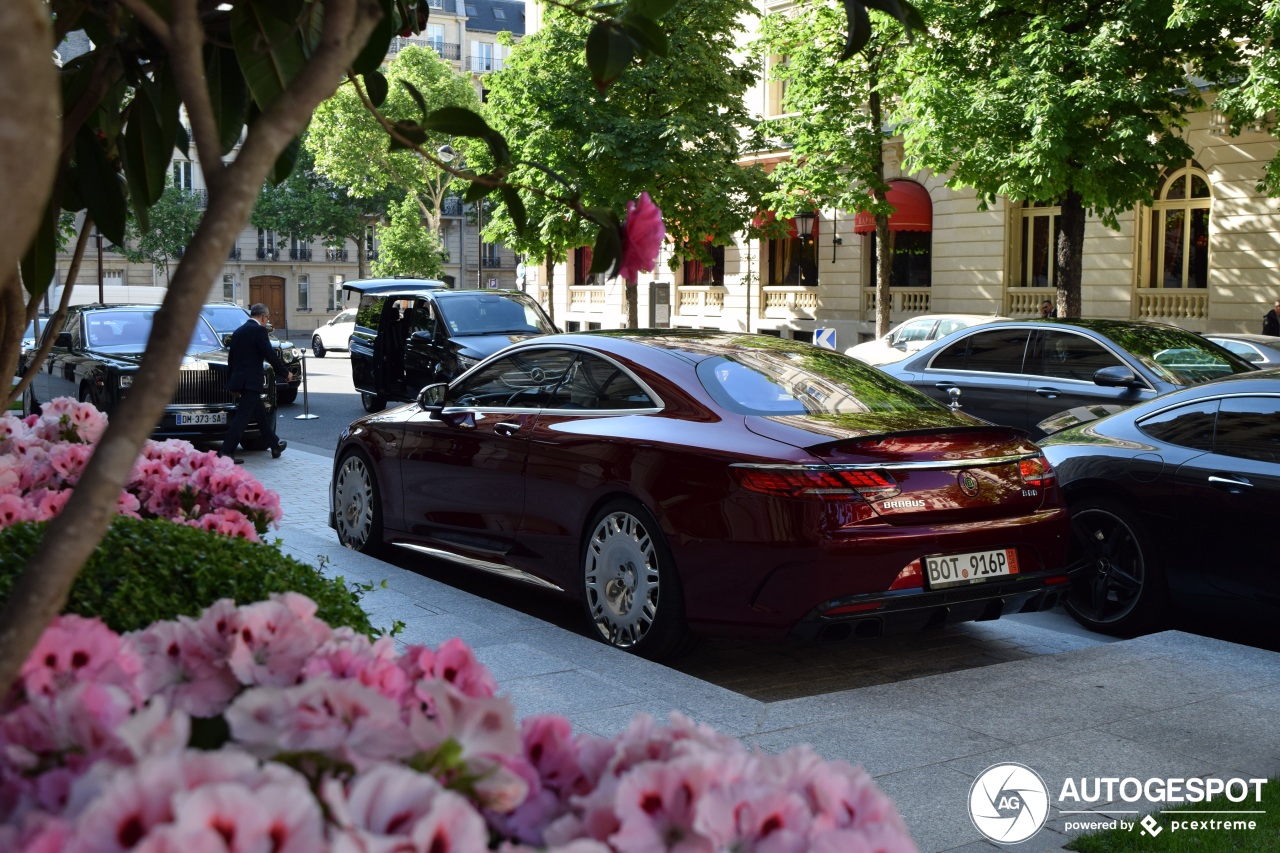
(42,458)
(261,728)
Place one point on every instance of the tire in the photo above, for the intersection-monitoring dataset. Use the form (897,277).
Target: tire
(630,588)
(285,395)
(357,506)
(372,402)
(317,347)
(1122,589)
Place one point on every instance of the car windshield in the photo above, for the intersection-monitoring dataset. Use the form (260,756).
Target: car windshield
(128,331)
(1178,357)
(808,381)
(479,313)
(225,318)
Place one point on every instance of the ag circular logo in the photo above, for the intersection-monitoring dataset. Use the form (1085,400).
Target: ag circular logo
(1008,803)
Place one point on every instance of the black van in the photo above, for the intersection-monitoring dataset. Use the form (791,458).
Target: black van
(413,332)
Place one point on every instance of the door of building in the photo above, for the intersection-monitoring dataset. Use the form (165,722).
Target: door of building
(269,290)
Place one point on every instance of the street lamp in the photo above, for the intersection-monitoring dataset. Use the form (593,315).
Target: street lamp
(804,225)
(804,230)
(446,153)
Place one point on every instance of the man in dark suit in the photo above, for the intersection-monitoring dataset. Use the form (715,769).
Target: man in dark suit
(250,346)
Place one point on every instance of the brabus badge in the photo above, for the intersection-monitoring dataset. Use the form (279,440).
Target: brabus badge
(968,483)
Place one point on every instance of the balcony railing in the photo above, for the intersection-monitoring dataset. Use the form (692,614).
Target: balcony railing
(268,254)
(786,302)
(482,64)
(586,298)
(1172,306)
(234,254)
(701,301)
(335,254)
(443,48)
(371,254)
(451,206)
(492,261)
(906,302)
(300,254)
(200,197)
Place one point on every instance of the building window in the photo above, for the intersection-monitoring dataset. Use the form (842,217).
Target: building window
(335,292)
(912,258)
(582,263)
(793,259)
(1179,230)
(304,293)
(1039,235)
(499,14)
(299,249)
(711,273)
(489,255)
(267,245)
(229,288)
(775,90)
(182,174)
(435,37)
(481,56)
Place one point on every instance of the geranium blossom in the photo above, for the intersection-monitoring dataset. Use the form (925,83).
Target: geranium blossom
(316,739)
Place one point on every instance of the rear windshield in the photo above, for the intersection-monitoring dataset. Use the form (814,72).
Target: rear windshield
(482,313)
(809,382)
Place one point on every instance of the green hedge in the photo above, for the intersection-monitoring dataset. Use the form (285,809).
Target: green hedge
(156,569)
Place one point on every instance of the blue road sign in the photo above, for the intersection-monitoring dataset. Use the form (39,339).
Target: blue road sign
(825,338)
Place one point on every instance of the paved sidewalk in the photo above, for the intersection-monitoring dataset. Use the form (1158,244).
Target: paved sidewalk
(1165,705)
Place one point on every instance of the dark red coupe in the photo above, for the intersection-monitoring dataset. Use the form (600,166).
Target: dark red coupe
(684,483)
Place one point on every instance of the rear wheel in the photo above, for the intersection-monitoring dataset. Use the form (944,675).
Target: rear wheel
(372,402)
(631,591)
(1122,588)
(317,347)
(357,507)
(286,394)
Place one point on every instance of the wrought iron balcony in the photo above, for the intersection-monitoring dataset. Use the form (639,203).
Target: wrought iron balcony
(268,254)
(234,254)
(301,254)
(443,48)
(482,64)
(490,261)
(371,254)
(335,254)
(451,206)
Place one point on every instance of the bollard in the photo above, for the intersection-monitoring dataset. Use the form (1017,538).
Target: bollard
(306,404)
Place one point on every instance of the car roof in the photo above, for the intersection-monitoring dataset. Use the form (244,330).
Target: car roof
(973,317)
(393,285)
(1248,337)
(692,345)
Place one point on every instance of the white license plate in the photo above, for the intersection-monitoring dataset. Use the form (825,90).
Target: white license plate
(956,569)
(201,418)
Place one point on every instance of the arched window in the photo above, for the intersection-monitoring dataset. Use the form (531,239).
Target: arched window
(910,235)
(1179,230)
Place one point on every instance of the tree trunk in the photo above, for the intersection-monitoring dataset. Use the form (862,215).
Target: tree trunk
(549,270)
(1069,255)
(884,249)
(41,591)
(29,138)
(630,291)
(362,265)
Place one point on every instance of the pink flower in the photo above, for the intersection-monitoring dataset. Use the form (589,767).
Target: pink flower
(351,655)
(74,649)
(185,664)
(642,236)
(272,640)
(14,510)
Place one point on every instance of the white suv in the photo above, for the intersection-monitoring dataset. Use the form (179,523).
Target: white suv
(335,334)
(914,334)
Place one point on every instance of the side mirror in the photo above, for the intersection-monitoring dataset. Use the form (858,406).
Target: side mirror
(431,397)
(226,341)
(1116,376)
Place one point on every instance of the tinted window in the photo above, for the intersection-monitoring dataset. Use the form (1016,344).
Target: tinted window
(1186,426)
(946,327)
(1240,348)
(521,380)
(995,351)
(370,311)
(1067,355)
(225,318)
(1249,427)
(594,383)
(481,313)
(422,317)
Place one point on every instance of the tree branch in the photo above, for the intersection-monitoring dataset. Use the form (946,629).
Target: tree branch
(186,52)
(151,19)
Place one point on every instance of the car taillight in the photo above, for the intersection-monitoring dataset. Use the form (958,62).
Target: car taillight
(1036,471)
(813,482)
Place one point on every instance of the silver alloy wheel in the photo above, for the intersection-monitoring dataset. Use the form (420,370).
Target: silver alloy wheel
(621,576)
(353,500)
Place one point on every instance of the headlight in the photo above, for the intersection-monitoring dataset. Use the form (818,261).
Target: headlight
(290,354)
(126,380)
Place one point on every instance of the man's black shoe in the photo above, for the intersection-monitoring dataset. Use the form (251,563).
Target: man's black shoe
(278,449)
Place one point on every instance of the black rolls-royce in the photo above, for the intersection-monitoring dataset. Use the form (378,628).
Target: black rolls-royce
(98,352)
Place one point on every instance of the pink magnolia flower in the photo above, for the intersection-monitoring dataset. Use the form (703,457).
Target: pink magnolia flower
(642,236)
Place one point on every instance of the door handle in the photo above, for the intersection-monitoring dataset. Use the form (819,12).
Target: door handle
(943,386)
(1235,485)
(506,429)
(1050,393)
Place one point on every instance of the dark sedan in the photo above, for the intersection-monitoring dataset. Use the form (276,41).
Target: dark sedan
(1021,373)
(1173,503)
(226,317)
(97,355)
(689,483)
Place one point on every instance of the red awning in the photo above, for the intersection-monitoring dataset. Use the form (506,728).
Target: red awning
(914,210)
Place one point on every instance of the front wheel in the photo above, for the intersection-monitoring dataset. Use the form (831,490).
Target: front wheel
(372,402)
(317,347)
(1121,589)
(630,588)
(286,394)
(357,507)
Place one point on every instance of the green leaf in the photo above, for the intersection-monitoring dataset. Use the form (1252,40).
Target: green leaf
(100,185)
(608,250)
(41,257)
(901,11)
(859,28)
(269,50)
(285,162)
(476,191)
(609,52)
(647,33)
(376,87)
(498,148)
(227,94)
(375,49)
(145,153)
(458,121)
(417,97)
(653,9)
(515,209)
(411,131)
